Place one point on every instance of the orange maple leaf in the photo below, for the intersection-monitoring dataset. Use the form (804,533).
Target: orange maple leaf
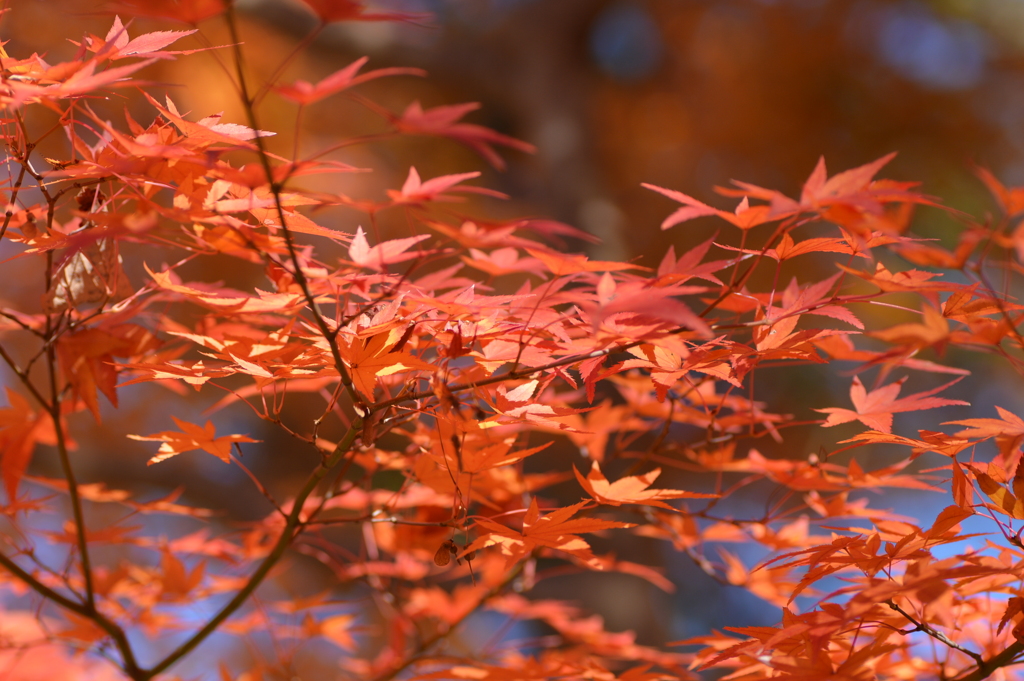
(1008,430)
(87,359)
(562,264)
(177,580)
(338,630)
(21,427)
(875,409)
(745,216)
(1011,200)
(556,530)
(632,489)
(191,437)
(933,331)
(372,357)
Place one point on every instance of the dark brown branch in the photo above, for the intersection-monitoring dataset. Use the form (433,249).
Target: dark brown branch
(1004,659)
(933,632)
(130,665)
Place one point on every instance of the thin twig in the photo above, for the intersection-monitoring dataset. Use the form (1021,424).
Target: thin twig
(69,475)
(284,540)
(424,646)
(933,632)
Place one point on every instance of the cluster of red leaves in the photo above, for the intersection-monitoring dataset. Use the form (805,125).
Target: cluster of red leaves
(443,357)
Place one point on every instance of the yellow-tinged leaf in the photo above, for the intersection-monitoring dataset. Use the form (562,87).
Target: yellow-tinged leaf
(369,358)
(338,630)
(1000,496)
(949,517)
(632,489)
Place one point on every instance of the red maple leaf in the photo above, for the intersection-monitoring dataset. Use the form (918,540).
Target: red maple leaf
(305,92)
(416,191)
(444,122)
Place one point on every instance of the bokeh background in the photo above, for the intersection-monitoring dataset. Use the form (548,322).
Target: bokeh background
(685,94)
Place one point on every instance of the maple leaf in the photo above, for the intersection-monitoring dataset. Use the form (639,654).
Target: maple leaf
(934,331)
(383,254)
(638,298)
(443,122)
(561,264)
(1008,430)
(337,629)
(86,79)
(416,191)
(191,437)
(87,359)
(789,248)
(476,459)
(745,216)
(120,47)
(209,131)
(520,405)
(853,189)
(556,530)
(226,299)
(375,356)
(929,442)
(690,264)
(1011,200)
(177,580)
(875,409)
(304,92)
(632,489)
(21,427)
(501,261)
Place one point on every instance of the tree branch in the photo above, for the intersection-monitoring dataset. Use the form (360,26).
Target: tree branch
(293,522)
(130,665)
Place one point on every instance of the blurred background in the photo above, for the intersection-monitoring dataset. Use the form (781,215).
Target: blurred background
(686,94)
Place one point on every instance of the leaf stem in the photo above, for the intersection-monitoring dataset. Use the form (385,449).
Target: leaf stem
(426,644)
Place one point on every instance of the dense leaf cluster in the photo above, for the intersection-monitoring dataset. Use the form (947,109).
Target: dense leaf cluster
(449,360)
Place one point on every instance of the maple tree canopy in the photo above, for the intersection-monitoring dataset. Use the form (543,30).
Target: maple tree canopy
(472,408)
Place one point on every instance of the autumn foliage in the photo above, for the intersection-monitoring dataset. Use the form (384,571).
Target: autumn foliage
(479,407)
